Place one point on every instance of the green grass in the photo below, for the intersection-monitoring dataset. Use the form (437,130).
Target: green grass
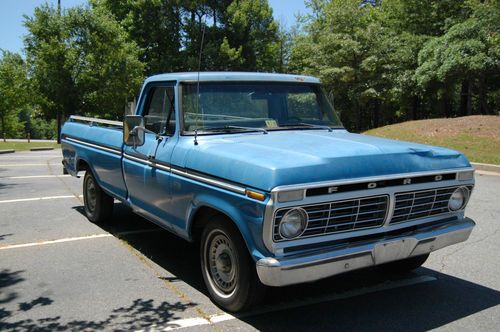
(23,146)
(477,148)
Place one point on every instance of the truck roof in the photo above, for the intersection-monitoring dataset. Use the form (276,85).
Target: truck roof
(231,76)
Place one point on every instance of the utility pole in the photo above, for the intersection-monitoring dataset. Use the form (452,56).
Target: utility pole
(59,115)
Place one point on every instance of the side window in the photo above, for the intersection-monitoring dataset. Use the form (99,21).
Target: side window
(159,115)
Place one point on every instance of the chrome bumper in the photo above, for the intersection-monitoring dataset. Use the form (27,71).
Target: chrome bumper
(325,263)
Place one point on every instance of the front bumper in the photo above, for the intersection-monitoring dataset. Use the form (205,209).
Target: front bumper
(328,262)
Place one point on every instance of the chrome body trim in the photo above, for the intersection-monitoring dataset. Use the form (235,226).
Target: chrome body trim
(210,181)
(273,205)
(187,174)
(91,121)
(328,262)
(312,185)
(92,145)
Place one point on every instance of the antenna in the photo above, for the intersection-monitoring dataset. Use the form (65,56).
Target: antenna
(198,83)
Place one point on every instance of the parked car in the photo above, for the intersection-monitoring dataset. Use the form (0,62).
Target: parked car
(259,169)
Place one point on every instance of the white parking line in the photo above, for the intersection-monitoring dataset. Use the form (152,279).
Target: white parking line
(198,321)
(78,238)
(38,199)
(69,239)
(36,177)
(27,165)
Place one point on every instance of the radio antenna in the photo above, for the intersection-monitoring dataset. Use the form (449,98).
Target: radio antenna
(198,83)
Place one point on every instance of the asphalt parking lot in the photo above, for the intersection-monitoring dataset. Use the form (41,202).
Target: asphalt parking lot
(58,271)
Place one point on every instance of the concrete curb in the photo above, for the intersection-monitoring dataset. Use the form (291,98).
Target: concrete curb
(7,151)
(41,149)
(486,167)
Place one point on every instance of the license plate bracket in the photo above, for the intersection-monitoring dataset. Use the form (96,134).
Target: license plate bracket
(393,250)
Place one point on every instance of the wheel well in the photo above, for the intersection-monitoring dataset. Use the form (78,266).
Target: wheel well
(82,166)
(201,218)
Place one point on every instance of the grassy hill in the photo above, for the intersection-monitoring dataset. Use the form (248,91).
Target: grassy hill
(477,136)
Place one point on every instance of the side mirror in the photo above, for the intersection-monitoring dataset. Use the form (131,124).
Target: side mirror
(133,130)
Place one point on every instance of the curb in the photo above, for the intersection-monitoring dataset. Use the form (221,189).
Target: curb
(486,167)
(7,151)
(41,149)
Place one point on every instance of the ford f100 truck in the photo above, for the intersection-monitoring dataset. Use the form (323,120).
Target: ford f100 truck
(258,169)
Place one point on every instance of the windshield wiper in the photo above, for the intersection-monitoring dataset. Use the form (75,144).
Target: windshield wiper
(232,128)
(303,124)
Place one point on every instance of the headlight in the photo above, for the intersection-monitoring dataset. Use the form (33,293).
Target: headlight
(293,223)
(458,199)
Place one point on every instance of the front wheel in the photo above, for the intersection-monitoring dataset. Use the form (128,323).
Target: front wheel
(98,204)
(228,270)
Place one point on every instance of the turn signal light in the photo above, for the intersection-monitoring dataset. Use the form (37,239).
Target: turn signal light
(256,195)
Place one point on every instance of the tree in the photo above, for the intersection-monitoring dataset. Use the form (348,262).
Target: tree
(342,45)
(81,62)
(13,92)
(252,41)
(155,26)
(467,55)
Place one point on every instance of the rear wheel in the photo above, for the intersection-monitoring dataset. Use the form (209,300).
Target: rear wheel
(228,270)
(405,265)
(98,204)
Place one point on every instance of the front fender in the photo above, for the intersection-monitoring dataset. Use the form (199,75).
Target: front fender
(246,214)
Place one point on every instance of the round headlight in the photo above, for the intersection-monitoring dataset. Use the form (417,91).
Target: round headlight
(293,223)
(458,199)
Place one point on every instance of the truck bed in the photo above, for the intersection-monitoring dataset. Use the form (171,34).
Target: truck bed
(99,141)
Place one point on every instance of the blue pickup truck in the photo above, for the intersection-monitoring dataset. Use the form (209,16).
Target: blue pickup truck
(258,169)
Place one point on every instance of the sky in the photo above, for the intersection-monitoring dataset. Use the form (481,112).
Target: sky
(12,11)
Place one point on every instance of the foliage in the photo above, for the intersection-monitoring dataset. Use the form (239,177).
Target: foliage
(237,34)
(394,60)
(13,92)
(81,62)
(381,61)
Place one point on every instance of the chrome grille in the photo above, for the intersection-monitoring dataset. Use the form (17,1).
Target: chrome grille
(424,203)
(338,216)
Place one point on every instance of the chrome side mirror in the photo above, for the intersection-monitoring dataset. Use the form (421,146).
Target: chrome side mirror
(133,130)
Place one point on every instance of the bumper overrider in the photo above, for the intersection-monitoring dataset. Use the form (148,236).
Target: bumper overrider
(331,261)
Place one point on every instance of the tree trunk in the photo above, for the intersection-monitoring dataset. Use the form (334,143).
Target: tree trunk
(469,99)
(447,105)
(464,97)
(483,104)
(376,113)
(3,127)
(59,118)
(415,101)
(360,119)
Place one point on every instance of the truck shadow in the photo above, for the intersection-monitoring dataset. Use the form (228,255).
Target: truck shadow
(439,300)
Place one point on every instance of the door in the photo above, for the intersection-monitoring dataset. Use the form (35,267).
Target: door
(146,168)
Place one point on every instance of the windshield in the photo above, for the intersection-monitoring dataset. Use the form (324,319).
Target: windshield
(255,106)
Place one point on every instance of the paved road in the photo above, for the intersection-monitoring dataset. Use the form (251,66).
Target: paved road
(59,271)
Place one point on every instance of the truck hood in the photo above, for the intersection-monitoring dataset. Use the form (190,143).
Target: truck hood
(302,156)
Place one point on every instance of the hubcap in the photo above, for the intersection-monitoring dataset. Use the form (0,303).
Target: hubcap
(222,264)
(90,194)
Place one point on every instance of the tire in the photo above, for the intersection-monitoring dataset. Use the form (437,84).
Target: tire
(406,265)
(227,268)
(98,204)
